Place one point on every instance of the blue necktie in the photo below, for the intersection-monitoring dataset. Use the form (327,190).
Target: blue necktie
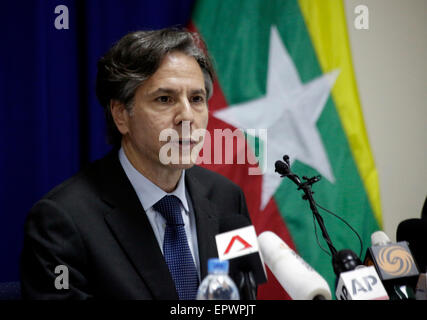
(176,250)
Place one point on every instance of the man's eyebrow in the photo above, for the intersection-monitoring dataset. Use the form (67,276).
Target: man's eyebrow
(173,91)
(198,91)
(162,90)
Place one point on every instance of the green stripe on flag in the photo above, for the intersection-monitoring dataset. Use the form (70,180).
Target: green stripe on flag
(237,35)
(347,196)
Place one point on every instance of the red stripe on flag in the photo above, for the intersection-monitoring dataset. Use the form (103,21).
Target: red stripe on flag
(217,101)
(267,219)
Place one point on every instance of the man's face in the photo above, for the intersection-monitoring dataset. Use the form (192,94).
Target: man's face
(174,97)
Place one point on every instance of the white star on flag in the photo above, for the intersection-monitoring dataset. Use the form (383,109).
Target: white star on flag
(289,111)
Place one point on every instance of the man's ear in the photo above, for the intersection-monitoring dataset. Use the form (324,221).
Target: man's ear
(120,116)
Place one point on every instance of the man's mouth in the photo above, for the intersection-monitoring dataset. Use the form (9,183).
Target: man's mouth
(186,142)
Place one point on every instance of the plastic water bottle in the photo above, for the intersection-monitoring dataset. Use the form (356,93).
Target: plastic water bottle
(217,285)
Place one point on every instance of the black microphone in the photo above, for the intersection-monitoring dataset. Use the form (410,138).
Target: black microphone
(284,169)
(354,280)
(414,231)
(238,243)
(345,260)
(424,210)
(395,266)
(281,167)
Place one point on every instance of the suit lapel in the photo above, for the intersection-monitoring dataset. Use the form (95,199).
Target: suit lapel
(129,224)
(207,220)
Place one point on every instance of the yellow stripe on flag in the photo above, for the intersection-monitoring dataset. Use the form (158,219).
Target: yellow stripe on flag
(326,23)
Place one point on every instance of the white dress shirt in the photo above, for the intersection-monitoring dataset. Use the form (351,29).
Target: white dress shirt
(149,194)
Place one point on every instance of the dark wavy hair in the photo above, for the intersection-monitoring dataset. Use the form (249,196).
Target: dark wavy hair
(136,57)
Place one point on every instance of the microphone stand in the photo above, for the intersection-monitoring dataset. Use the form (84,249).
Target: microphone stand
(283,168)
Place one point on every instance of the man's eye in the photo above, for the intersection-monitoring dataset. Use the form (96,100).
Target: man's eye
(197,99)
(164,99)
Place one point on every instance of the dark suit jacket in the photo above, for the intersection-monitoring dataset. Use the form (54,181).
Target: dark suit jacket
(94,225)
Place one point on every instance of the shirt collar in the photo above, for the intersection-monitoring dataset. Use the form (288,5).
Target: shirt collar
(147,192)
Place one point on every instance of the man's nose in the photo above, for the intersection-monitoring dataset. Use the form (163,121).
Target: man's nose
(184,112)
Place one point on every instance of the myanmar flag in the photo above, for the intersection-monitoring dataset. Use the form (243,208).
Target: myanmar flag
(285,80)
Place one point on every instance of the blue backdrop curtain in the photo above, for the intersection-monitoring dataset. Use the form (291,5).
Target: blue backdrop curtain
(51,122)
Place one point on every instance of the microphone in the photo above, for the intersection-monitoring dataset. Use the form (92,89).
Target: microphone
(295,275)
(281,167)
(424,210)
(238,244)
(414,231)
(354,280)
(394,264)
(345,260)
(284,169)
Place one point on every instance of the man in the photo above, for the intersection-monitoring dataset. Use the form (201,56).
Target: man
(107,232)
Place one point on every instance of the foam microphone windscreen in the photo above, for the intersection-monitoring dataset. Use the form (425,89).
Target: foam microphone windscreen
(298,278)
(414,231)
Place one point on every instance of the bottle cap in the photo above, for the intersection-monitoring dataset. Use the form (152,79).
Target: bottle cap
(217,266)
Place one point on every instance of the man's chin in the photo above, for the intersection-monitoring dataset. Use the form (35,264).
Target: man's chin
(181,165)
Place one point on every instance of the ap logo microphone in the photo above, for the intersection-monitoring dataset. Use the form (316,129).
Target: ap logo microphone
(361,284)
